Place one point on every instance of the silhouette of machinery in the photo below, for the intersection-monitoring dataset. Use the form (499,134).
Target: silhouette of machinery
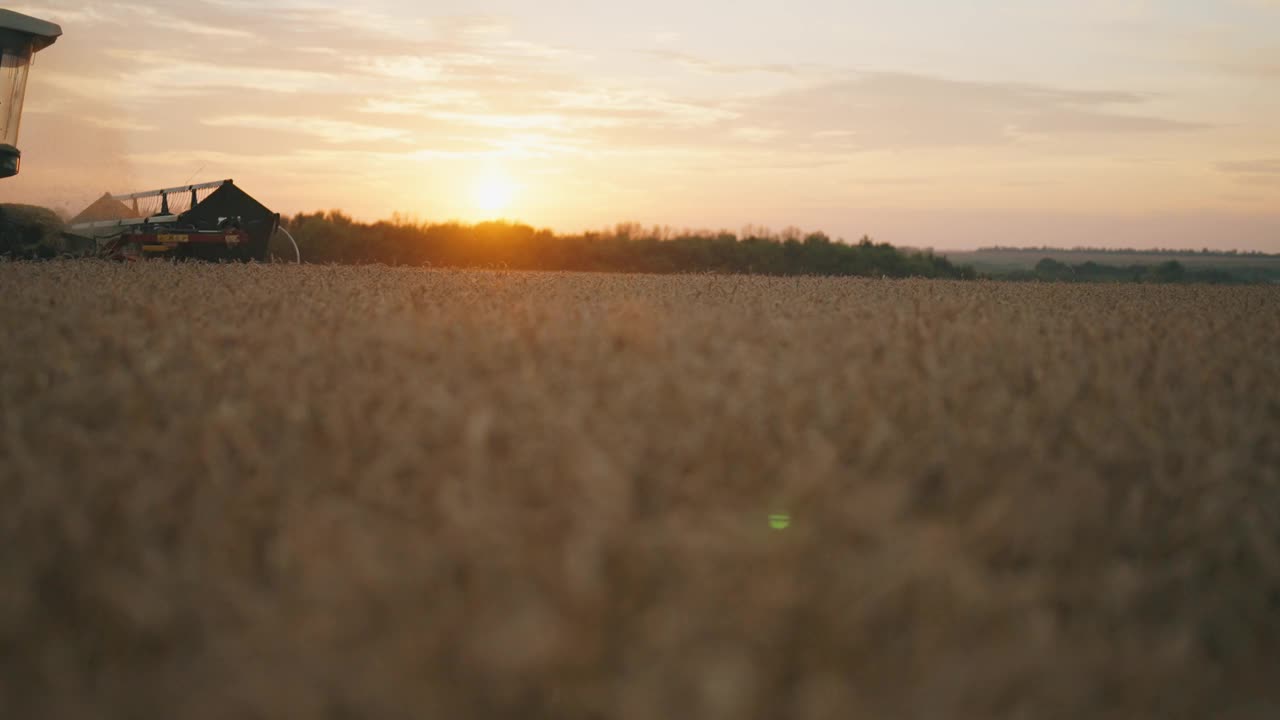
(209,221)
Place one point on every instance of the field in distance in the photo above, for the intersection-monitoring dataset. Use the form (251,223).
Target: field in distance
(1004,260)
(361,491)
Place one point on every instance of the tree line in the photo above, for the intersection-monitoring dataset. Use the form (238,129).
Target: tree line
(1170,271)
(1082,249)
(334,237)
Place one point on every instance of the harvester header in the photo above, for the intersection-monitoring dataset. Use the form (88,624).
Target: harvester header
(207,221)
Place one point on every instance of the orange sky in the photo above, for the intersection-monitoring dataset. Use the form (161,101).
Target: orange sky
(1120,123)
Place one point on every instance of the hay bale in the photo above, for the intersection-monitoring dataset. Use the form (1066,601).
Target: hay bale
(30,230)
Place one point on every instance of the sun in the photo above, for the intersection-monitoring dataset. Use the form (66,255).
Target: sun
(493,192)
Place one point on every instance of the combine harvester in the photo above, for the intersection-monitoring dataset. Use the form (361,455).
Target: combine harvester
(210,221)
(214,221)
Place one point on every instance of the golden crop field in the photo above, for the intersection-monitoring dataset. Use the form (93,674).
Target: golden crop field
(271,491)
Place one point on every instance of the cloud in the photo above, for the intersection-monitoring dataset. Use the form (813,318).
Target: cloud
(755,134)
(160,75)
(1264,166)
(403,67)
(874,110)
(421,102)
(536,145)
(333,131)
(1262,63)
(1067,121)
(1259,172)
(119,124)
(704,65)
(549,122)
(79,16)
(319,16)
(133,15)
(640,106)
(172,23)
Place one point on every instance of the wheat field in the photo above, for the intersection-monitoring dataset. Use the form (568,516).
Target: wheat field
(269,491)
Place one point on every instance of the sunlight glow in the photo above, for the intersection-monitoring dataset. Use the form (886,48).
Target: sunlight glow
(493,192)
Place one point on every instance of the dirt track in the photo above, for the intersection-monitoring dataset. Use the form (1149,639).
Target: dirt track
(271,491)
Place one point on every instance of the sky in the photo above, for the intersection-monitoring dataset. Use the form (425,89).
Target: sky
(956,124)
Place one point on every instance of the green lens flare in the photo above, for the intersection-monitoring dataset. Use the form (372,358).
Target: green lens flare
(779,521)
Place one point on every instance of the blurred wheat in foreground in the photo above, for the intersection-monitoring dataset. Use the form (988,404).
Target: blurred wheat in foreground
(364,492)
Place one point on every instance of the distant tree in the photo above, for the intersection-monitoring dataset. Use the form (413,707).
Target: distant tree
(1168,272)
(1050,269)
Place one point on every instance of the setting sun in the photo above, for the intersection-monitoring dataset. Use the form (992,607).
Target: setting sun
(493,192)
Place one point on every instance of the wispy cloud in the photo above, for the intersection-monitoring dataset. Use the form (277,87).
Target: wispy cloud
(334,131)
(143,18)
(61,13)
(1260,172)
(403,67)
(1263,166)
(421,102)
(640,106)
(319,16)
(755,134)
(171,22)
(693,62)
(156,74)
(525,121)
(119,124)
(870,110)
